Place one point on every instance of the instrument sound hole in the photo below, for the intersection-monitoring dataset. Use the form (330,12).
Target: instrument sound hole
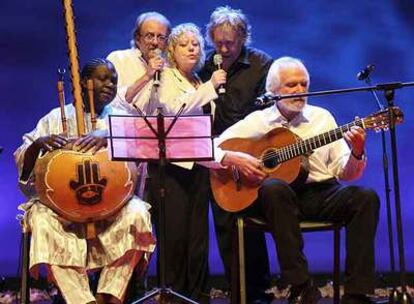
(269,159)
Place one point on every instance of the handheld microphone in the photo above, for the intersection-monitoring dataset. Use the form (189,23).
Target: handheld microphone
(267,99)
(157,76)
(364,74)
(218,60)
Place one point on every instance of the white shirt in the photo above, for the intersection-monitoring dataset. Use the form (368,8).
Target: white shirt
(332,160)
(51,123)
(130,66)
(174,91)
(52,243)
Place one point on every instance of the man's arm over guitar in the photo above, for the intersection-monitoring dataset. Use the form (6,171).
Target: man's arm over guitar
(246,164)
(357,161)
(25,156)
(47,136)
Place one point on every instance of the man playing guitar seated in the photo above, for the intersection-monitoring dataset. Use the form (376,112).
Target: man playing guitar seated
(320,197)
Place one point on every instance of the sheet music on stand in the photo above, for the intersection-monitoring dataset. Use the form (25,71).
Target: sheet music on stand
(190,139)
(161,139)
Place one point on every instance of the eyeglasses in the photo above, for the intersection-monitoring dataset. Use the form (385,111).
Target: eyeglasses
(150,37)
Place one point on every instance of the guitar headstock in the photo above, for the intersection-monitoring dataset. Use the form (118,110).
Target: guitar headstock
(381,120)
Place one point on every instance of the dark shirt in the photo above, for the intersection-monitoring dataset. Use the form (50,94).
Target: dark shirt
(246,80)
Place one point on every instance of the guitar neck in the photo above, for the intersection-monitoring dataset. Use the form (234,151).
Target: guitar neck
(304,146)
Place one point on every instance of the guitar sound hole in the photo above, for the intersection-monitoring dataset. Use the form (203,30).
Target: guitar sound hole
(270,159)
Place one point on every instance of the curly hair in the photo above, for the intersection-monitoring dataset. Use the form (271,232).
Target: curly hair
(175,35)
(233,18)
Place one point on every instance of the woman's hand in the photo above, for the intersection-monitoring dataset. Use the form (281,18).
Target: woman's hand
(218,78)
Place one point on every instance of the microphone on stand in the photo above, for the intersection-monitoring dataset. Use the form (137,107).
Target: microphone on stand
(364,74)
(265,100)
(157,74)
(218,60)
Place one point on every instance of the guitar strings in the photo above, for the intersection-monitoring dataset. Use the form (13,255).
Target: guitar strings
(296,149)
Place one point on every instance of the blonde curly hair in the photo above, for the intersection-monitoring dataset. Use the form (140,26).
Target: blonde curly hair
(175,35)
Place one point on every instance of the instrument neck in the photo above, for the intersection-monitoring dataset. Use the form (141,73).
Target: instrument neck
(74,66)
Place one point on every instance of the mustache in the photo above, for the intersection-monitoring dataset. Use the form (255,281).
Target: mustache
(298,99)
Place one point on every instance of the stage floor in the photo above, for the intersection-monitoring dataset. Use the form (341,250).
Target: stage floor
(44,293)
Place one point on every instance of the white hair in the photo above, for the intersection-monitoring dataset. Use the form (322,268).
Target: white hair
(145,17)
(273,76)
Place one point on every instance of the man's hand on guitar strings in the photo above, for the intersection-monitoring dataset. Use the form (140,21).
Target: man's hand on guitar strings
(248,166)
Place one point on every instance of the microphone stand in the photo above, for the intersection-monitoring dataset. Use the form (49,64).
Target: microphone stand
(394,294)
(389,90)
(379,87)
(404,297)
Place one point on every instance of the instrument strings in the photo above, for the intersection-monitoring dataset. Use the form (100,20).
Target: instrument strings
(304,146)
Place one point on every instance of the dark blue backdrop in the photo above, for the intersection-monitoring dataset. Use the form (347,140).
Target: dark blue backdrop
(334,38)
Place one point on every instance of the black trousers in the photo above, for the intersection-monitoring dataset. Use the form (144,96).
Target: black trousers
(283,208)
(186,226)
(356,207)
(257,266)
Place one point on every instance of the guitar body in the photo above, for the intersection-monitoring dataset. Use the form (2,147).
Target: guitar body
(233,197)
(84,187)
(283,157)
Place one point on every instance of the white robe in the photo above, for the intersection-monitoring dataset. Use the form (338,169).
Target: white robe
(55,241)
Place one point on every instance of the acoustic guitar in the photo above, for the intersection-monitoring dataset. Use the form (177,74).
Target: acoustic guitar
(283,156)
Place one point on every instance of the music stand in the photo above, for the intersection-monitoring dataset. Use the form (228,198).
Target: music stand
(153,138)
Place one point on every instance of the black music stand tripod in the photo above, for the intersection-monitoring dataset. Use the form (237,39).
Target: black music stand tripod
(162,293)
